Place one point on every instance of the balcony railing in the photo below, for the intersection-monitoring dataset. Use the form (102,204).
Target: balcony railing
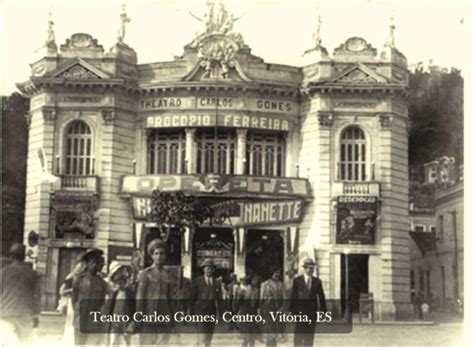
(78,183)
(357,188)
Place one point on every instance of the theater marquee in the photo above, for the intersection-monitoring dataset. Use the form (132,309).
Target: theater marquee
(239,213)
(225,185)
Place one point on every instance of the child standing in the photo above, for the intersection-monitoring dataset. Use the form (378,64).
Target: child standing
(120,302)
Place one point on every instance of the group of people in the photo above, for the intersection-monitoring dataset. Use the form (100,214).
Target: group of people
(153,292)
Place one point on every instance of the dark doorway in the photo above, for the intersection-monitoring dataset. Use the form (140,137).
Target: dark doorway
(264,252)
(216,244)
(67,261)
(358,279)
(173,242)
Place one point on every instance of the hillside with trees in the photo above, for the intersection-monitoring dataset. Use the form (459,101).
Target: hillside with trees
(14,141)
(436,117)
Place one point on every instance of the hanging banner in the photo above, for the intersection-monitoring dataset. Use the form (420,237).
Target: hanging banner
(356,220)
(238,213)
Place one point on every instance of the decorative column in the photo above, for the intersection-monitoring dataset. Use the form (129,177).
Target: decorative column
(241,149)
(239,242)
(186,257)
(190,153)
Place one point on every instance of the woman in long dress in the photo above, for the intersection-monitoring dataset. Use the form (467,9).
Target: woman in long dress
(65,291)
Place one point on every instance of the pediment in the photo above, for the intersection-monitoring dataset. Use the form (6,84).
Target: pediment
(78,69)
(360,74)
(217,59)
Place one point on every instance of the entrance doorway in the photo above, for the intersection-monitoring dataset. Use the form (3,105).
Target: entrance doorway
(67,260)
(264,252)
(216,244)
(358,279)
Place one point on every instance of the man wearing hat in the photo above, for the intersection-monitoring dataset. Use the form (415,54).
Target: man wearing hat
(205,293)
(307,297)
(20,295)
(154,293)
(91,289)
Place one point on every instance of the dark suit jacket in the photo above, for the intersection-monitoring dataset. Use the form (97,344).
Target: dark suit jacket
(307,301)
(92,290)
(20,291)
(204,298)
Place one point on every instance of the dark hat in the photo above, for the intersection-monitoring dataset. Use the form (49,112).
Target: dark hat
(18,249)
(92,254)
(155,243)
(207,262)
(309,262)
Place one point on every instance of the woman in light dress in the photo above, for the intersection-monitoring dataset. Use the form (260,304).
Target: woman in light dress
(65,301)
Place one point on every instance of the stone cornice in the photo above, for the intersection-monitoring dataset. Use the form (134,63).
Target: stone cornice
(327,88)
(262,88)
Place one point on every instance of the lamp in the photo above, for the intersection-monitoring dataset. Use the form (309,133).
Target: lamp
(346,252)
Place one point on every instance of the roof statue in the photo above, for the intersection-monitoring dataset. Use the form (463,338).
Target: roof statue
(391,35)
(317,34)
(217,19)
(50,40)
(124,19)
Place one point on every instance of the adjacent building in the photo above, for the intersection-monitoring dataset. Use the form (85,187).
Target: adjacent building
(302,161)
(437,251)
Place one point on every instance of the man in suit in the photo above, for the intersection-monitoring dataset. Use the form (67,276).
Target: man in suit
(205,293)
(307,297)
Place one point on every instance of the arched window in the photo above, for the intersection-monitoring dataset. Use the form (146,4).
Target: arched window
(79,150)
(265,154)
(352,155)
(166,152)
(215,151)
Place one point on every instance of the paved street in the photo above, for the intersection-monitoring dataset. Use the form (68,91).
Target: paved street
(439,333)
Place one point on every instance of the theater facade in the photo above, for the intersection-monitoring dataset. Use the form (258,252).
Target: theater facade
(301,161)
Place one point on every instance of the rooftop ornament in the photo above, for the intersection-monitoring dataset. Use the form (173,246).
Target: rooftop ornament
(124,19)
(51,40)
(390,42)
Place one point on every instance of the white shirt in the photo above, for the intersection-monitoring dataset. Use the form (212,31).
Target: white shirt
(307,280)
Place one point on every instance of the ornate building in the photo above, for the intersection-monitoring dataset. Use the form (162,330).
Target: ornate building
(308,161)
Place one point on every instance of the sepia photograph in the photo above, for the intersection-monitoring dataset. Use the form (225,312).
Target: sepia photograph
(235,172)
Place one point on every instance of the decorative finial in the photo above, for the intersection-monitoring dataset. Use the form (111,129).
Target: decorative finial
(317,34)
(124,19)
(391,35)
(50,38)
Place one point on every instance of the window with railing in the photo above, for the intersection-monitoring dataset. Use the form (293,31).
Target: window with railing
(166,152)
(265,154)
(79,152)
(353,155)
(215,151)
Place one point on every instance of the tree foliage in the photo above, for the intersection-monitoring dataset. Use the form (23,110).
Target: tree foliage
(177,210)
(14,148)
(436,117)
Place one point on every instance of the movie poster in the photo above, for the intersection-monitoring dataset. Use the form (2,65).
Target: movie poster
(356,220)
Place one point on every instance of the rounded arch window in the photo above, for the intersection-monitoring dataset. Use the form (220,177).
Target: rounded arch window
(79,156)
(352,155)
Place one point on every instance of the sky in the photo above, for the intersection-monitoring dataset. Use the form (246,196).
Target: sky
(278,31)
